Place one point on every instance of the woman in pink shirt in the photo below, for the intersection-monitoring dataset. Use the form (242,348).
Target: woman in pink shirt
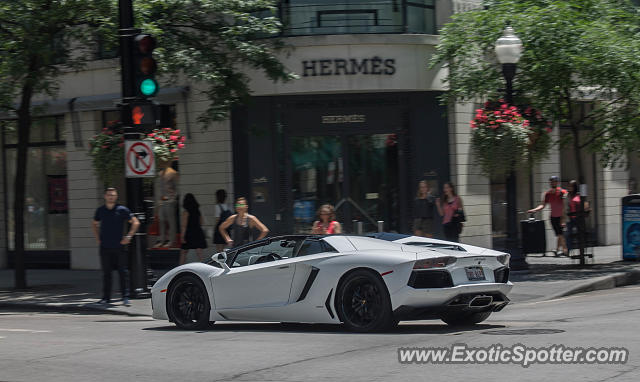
(326,225)
(447,208)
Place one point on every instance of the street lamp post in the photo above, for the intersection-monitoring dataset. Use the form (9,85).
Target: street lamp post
(508,51)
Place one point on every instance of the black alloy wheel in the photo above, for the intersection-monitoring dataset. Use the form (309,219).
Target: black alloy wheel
(188,303)
(363,303)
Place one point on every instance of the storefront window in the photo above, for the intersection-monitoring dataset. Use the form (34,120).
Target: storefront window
(46,204)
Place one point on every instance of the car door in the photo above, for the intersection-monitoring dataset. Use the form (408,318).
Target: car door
(251,283)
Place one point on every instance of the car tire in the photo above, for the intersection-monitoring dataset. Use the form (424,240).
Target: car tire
(461,319)
(363,303)
(188,303)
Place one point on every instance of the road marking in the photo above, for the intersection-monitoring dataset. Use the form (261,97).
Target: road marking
(24,330)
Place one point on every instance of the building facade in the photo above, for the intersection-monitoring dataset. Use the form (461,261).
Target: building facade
(359,129)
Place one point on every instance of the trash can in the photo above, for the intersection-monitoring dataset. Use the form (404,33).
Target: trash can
(631,227)
(534,238)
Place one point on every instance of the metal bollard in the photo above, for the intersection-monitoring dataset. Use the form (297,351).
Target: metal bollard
(380,225)
(360,229)
(355,226)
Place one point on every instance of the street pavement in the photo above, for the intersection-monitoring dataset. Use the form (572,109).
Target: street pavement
(548,278)
(37,346)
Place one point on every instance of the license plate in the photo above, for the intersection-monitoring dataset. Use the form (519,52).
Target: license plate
(475,273)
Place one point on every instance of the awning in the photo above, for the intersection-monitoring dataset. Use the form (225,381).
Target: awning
(95,102)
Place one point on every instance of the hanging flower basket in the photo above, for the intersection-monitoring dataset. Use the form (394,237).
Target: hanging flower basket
(503,139)
(167,143)
(107,150)
(107,155)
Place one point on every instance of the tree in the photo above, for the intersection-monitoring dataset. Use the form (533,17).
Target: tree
(207,40)
(573,49)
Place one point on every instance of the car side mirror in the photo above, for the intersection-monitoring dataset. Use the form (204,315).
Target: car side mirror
(221,259)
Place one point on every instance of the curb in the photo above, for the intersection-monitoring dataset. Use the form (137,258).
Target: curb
(601,283)
(67,309)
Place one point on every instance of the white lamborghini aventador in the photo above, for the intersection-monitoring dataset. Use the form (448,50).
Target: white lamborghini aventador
(366,283)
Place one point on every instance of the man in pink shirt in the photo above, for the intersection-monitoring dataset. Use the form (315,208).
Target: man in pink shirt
(554,197)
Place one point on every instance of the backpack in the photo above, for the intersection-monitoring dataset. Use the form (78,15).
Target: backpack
(224,215)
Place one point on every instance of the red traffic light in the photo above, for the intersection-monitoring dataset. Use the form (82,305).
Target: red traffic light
(146,43)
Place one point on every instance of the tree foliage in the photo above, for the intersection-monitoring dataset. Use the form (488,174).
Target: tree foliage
(573,50)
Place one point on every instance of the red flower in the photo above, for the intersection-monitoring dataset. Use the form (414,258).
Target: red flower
(497,113)
(548,130)
(180,145)
(151,135)
(500,120)
(473,125)
(173,150)
(105,146)
(176,132)
(173,137)
(182,139)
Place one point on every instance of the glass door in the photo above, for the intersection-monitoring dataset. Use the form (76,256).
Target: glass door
(363,188)
(373,180)
(317,177)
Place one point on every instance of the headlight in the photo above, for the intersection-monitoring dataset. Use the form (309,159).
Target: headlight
(504,259)
(436,262)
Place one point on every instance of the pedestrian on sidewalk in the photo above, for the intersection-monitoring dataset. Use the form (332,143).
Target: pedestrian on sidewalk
(108,226)
(326,223)
(575,209)
(451,211)
(242,225)
(554,197)
(423,206)
(192,234)
(222,213)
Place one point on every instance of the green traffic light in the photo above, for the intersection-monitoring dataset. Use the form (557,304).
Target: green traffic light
(148,87)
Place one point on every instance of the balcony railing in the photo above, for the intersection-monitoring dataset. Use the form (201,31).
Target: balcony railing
(316,17)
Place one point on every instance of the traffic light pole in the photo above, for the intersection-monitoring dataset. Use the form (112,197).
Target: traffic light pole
(135,198)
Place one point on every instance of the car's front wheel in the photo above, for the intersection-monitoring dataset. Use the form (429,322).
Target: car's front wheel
(461,319)
(188,303)
(363,303)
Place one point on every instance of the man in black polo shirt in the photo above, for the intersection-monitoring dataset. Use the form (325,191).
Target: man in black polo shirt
(108,224)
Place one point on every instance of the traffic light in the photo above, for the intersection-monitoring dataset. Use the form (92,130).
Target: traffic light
(143,115)
(145,66)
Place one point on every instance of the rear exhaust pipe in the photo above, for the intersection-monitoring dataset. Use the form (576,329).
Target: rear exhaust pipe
(480,301)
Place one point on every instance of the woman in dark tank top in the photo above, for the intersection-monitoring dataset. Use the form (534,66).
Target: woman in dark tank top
(243,225)
(192,234)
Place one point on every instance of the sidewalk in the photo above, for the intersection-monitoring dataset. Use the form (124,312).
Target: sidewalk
(547,278)
(552,277)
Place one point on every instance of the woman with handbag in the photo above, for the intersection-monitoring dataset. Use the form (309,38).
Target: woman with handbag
(451,211)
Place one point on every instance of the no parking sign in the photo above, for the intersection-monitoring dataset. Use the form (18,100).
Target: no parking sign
(139,160)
